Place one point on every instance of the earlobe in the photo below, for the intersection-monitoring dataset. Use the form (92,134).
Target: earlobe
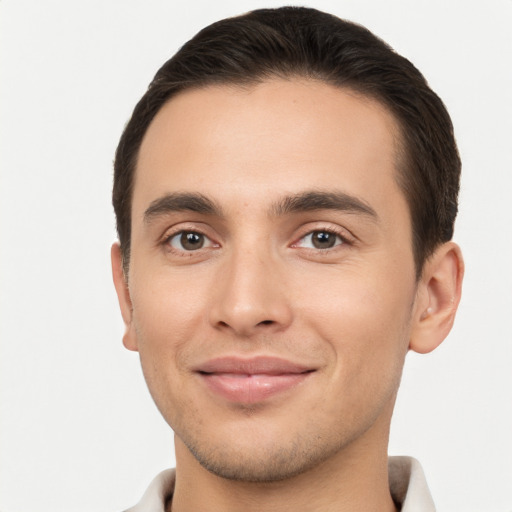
(123,296)
(438,298)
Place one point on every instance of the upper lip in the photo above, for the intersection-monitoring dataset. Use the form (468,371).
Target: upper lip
(259,365)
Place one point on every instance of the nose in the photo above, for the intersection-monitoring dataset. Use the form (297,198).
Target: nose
(251,296)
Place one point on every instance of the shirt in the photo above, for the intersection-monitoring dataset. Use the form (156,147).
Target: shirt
(406,482)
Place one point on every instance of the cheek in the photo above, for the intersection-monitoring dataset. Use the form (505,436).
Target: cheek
(364,317)
(166,316)
(169,304)
(167,313)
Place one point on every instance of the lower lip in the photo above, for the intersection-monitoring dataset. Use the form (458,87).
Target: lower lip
(250,389)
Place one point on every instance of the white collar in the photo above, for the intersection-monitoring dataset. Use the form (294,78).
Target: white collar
(408,485)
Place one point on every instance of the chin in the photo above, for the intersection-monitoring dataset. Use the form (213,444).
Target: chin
(272,467)
(261,460)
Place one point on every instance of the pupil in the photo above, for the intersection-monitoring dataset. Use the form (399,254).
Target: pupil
(323,240)
(192,241)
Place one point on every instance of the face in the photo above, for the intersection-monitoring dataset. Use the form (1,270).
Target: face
(271,283)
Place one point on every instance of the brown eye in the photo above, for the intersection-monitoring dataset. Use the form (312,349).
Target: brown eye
(321,240)
(188,241)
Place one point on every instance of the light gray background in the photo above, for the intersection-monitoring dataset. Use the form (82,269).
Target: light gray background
(78,429)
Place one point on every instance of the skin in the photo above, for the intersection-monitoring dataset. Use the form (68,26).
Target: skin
(259,286)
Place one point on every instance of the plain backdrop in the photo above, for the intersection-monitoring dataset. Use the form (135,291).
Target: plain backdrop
(78,429)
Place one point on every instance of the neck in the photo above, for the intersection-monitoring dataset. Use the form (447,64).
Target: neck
(355,478)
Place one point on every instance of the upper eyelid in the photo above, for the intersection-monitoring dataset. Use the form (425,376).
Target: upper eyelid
(342,232)
(308,228)
(181,227)
(167,239)
(171,237)
(344,241)
(175,252)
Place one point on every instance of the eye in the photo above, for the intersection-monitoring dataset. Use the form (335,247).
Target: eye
(320,239)
(189,241)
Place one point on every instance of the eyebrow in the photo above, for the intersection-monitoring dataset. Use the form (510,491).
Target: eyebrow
(181,202)
(306,201)
(321,200)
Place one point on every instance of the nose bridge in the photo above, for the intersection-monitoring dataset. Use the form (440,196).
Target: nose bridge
(251,292)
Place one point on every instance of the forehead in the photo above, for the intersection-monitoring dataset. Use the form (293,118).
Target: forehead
(278,136)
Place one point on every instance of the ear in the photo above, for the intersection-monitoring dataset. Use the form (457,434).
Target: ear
(123,296)
(437,299)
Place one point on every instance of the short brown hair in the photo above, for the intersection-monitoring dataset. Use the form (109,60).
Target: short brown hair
(302,42)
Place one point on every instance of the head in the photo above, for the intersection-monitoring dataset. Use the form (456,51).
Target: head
(293,43)
(285,195)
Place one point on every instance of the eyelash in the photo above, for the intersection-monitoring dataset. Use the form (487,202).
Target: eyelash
(341,236)
(167,241)
(344,239)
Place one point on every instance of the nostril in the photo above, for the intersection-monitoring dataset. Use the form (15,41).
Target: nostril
(266,322)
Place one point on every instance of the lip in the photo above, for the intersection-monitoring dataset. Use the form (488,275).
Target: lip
(252,380)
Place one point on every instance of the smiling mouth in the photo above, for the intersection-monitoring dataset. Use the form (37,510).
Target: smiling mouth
(249,381)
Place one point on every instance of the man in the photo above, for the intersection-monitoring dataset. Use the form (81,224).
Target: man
(285,194)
